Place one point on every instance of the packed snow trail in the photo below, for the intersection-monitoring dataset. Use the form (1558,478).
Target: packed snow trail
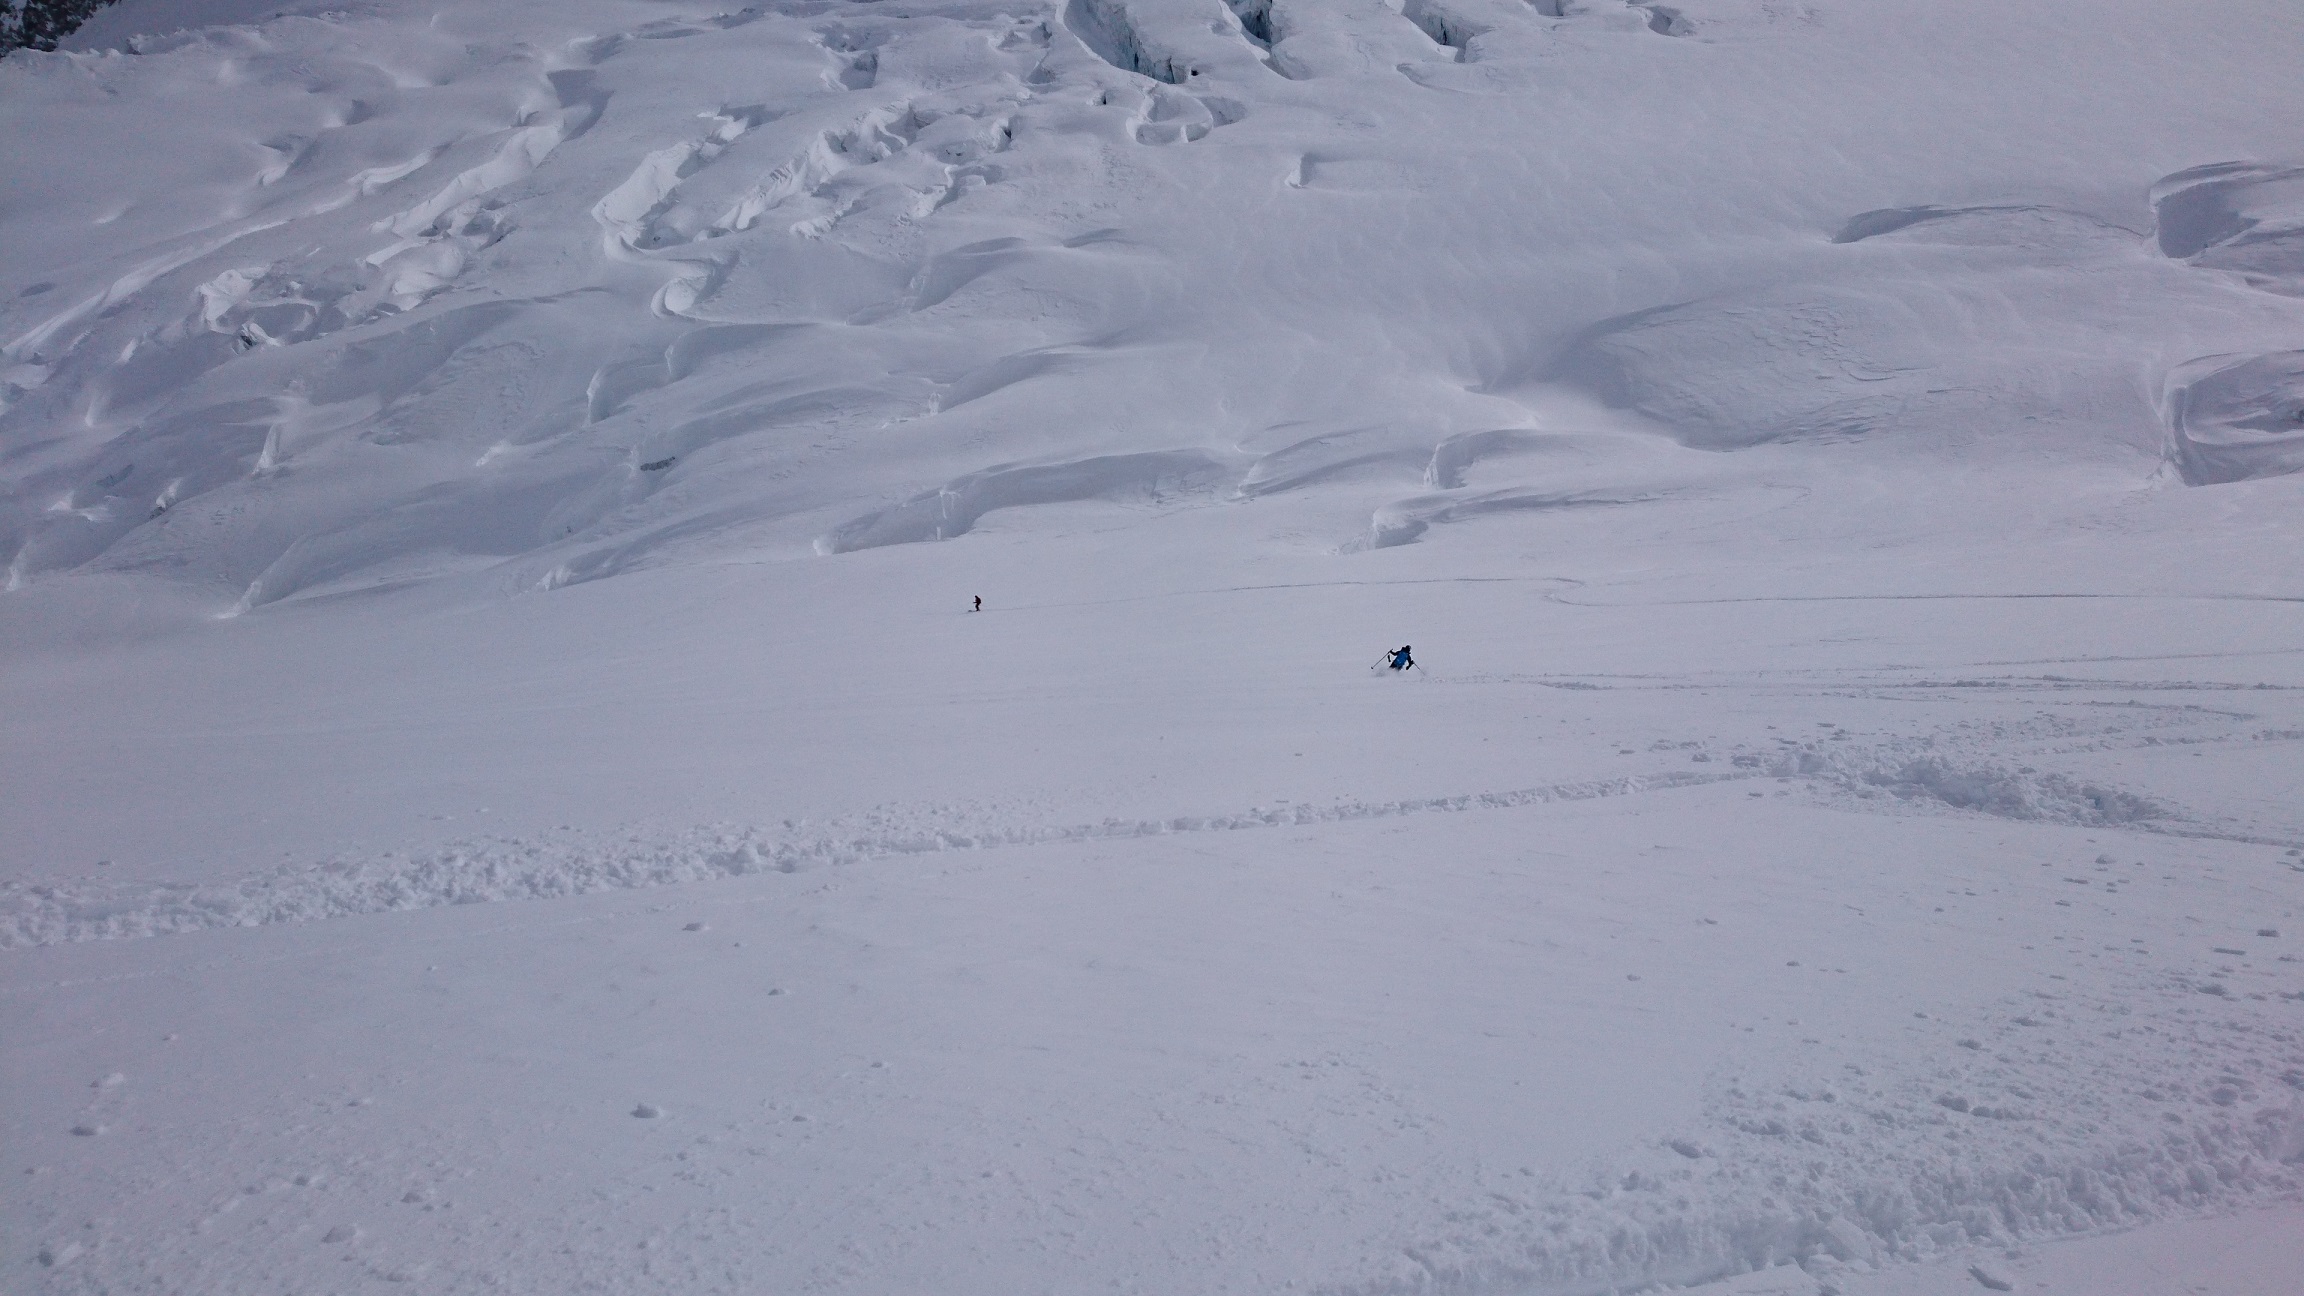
(1946,772)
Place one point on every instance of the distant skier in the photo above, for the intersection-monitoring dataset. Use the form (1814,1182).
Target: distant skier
(979,604)
(1400,659)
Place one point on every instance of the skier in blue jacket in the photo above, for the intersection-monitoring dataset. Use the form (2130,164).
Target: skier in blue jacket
(1400,659)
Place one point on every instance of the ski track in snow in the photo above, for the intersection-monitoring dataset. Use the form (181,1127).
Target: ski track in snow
(1944,772)
(514,870)
(1849,1171)
(2019,1124)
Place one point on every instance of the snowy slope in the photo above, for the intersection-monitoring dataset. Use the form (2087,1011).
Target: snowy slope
(505,790)
(398,301)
